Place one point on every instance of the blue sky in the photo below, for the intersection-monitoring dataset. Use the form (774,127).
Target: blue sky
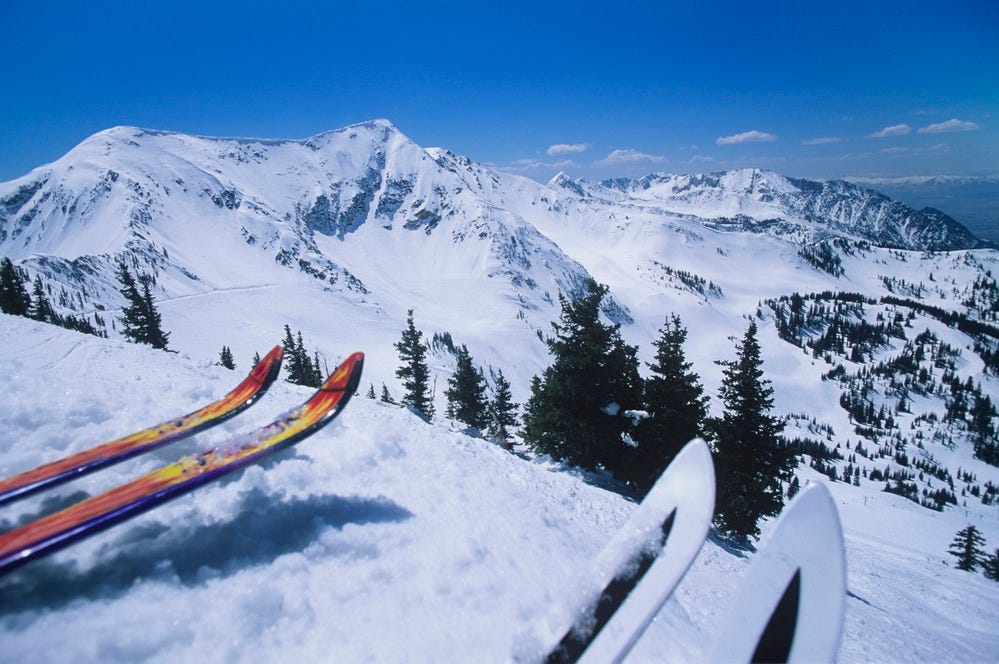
(827,89)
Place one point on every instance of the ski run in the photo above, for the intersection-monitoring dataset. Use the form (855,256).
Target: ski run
(383,538)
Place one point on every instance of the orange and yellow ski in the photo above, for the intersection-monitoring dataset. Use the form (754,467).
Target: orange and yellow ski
(100,456)
(95,514)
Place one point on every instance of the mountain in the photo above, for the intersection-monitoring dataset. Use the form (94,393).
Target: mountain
(751,199)
(879,327)
(972,199)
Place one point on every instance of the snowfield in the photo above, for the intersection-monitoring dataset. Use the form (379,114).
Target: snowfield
(383,538)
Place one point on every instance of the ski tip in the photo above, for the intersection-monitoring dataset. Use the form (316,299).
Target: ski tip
(793,597)
(267,369)
(347,376)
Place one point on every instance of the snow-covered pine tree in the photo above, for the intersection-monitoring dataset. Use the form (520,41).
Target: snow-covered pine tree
(466,392)
(576,412)
(413,370)
(676,407)
(14,298)
(502,411)
(967,548)
(751,460)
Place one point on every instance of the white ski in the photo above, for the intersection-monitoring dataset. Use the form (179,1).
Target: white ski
(638,570)
(791,605)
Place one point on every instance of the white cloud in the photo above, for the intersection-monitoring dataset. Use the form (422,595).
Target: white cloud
(697,158)
(622,157)
(950,125)
(824,140)
(894,130)
(746,137)
(567,148)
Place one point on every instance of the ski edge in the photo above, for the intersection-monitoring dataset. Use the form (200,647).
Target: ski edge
(90,460)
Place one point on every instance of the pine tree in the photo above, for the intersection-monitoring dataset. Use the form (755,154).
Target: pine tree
(225,358)
(371,392)
(14,298)
(41,308)
(300,367)
(990,566)
(676,407)
(256,358)
(413,370)
(292,358)
(140,320)
(386,397)
(967,548)
(751,460)
(502,411)
(466,392)
(155,336)
(577,409)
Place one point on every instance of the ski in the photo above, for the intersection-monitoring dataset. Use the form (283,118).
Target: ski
(790,608)
(638,570)
(97,513)
(106,454)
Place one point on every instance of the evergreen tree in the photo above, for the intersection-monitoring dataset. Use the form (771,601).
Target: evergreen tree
(676,407)
(155,336)
(41,308)
(502,411)
(466,392)
(140,320)
(990,566)
(751,460)
(292,358)
(300,367)
(225,358)
(386,397)
(413,370)
(967,548)
(576,412)
(371,392)
(256,358)
(14,298)
(317,369)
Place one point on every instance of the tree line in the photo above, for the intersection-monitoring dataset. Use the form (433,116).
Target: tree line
(592,409)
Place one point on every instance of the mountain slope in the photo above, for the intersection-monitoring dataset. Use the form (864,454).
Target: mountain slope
(383,538)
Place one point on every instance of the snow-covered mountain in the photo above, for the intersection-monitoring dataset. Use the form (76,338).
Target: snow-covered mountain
(878,322)
(752,199)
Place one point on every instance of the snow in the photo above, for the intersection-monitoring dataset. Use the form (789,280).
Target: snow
(383,538)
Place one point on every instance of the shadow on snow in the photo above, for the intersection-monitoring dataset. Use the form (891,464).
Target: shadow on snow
(263,530)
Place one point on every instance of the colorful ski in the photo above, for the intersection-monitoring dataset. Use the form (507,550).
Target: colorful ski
(95,514)
(637,572)
(100,456)
(791,605)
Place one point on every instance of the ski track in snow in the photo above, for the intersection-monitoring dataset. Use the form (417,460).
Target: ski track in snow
(381,538)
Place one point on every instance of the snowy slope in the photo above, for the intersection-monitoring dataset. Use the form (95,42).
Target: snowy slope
(384,538)
(339,236)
